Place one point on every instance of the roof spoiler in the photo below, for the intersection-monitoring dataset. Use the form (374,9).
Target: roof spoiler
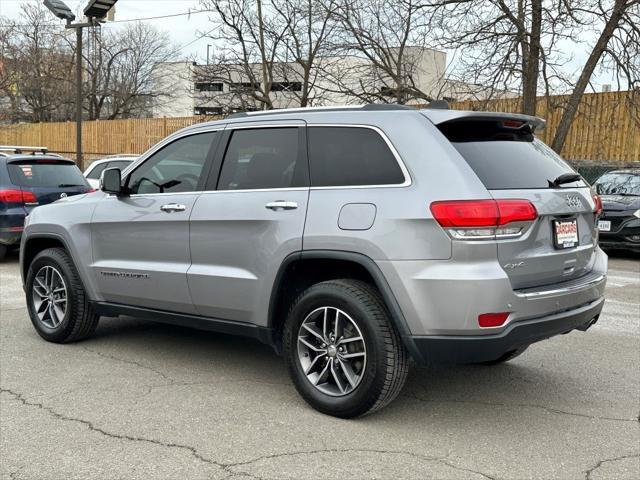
(21,149)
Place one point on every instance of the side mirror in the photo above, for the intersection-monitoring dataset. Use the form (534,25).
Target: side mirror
(111,181)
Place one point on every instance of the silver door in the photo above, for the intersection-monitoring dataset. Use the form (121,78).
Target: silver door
(241,233)
(141,241)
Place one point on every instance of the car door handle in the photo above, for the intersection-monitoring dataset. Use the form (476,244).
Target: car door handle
(281,205)
(173,207)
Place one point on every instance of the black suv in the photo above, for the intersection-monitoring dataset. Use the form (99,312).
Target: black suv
(29,176)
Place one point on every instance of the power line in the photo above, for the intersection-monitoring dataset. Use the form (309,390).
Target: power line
(141,19)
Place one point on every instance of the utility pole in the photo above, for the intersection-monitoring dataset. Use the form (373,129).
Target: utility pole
(94,11)
(262,52)
(79,159)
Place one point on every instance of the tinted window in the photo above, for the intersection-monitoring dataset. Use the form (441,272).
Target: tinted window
(46,173)
(262,158)
(341,156)
(176,168)
(619,184)
(121,164)
(505,157)
(97,170)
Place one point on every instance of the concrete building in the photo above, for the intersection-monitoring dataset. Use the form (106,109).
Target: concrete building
(186,88)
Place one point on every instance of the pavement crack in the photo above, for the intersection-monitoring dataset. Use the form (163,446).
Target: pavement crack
(60,416)
(129,362)
(442,460)
(524,405)
(589,472)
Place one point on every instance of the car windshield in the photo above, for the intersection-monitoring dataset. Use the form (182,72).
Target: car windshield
(46,173)
(619,183)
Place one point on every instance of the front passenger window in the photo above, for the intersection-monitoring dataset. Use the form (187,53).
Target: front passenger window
(176,168)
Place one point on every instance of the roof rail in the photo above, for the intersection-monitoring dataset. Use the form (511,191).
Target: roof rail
(376,107)
(438,105)
(21,149)
(335,108)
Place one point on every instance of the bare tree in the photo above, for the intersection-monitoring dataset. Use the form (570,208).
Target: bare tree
(617,46)
(247,50)
(528,46)
(37,67)
(385,45)
(267,54)
(121,69)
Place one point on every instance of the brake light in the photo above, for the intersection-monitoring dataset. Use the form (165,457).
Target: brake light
(29,197)
(491,320)
(11,196)
(17,196)
(598,200)
(483,219)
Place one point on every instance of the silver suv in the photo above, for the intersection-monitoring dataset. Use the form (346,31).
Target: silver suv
(350,239)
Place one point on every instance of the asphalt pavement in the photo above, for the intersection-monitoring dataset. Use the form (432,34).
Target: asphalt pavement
(142,400)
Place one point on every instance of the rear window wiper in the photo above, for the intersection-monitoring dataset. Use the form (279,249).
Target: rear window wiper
(564,178)
(67,185)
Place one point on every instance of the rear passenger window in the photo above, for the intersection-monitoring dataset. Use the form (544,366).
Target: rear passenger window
(263,158)
(345,156)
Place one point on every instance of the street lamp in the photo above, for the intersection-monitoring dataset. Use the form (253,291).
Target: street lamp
(94,11)
(98,8)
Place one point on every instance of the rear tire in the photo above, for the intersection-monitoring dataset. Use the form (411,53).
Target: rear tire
(56,299)
(353,377)
(506,357)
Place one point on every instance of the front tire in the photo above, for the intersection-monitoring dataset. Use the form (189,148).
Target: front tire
(351,369)
(56,299)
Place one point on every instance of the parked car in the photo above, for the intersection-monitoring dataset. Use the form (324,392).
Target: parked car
(349,239)
(619,223)
(93,171)
(29,180)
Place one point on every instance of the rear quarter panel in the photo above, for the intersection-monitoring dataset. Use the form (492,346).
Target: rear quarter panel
(404,228)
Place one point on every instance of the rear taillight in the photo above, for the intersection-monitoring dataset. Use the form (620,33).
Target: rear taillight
(483,219)
(598,202)
(17,196)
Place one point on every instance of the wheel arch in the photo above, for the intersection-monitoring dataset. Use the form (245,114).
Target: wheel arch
(305,268)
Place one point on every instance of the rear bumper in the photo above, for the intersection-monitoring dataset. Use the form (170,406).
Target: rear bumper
(11,226)
(474,348)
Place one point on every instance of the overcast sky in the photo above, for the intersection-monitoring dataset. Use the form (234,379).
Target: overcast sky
(185,30)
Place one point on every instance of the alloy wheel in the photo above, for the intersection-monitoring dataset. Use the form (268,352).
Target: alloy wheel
(331,351)
(49,294)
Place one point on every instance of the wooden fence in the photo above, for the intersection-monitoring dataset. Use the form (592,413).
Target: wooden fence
(606,130)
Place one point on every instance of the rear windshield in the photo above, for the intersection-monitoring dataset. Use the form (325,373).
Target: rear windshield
(506,157)
(45,173)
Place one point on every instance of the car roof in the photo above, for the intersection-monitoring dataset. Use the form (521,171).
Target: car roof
(356,114)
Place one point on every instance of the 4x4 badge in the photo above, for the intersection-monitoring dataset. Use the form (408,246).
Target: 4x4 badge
(573,201)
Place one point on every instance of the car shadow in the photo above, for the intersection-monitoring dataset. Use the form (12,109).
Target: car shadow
(463,391)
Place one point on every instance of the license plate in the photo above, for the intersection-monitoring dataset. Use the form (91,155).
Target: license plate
(604,225)
(565,233)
